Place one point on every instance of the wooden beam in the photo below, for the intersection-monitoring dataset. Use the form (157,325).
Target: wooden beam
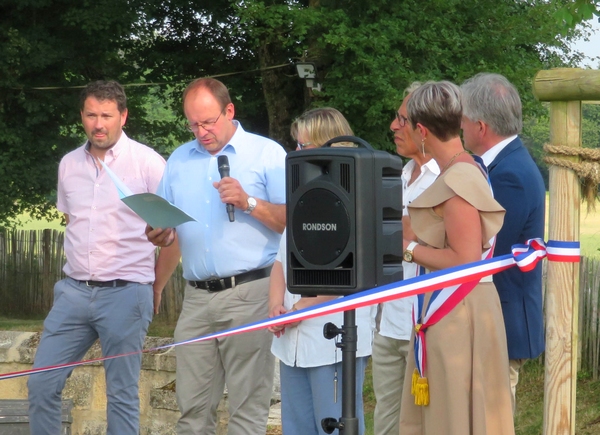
(562,297)
(567,84)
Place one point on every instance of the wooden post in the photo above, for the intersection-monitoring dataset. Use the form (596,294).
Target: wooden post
(562,290)
(566,88)
(567,84)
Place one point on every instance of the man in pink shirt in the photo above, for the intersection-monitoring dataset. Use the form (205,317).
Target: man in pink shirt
(108,292)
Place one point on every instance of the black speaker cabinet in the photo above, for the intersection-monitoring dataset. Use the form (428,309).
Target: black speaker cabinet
(344,218)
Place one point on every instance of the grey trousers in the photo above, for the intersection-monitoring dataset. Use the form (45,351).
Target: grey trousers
(119,316)
(244,362)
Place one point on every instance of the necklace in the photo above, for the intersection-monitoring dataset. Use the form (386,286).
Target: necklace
(452,160)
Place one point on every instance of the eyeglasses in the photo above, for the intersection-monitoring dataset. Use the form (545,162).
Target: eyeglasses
(402,120)
(304,145)
(208,125)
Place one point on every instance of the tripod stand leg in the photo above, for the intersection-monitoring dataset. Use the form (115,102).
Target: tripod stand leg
(349,422)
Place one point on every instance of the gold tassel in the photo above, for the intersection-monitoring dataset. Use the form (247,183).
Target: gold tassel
(415,378)
(420,390)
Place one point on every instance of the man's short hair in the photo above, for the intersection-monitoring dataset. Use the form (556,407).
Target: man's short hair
(214,86)
(491,98)
(437,106)
(103,90)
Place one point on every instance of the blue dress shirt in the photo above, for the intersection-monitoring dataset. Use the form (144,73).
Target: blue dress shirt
(214,247)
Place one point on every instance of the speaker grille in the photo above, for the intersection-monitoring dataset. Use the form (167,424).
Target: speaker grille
(345,176)
(336,277)
(295,177)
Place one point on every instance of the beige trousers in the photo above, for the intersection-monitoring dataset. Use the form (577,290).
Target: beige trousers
(244,362)
(389,366)
(514,365)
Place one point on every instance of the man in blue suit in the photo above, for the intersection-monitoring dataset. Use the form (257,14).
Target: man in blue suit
(491,123)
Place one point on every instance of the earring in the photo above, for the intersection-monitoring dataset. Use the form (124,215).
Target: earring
(423,146)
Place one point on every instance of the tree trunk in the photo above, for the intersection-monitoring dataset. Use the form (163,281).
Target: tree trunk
(278,90)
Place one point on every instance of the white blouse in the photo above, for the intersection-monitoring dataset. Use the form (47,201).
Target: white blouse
(305,345)
(396,320)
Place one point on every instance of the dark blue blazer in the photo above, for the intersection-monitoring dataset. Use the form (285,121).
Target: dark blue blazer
(519,188)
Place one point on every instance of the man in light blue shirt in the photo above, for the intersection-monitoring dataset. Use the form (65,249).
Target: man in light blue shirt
(227,264)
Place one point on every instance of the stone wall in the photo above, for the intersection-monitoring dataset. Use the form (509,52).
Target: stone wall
(86,386)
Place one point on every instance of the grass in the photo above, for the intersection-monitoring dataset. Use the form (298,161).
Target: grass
(161,328)
(158,327)
(530,402)
(368,399)
(589,230)
(27,223)
(29,323)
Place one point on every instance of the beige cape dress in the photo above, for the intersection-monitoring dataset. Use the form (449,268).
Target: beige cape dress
(467,358)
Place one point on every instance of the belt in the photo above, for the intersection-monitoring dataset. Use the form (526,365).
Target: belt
(113,283)
(219,284)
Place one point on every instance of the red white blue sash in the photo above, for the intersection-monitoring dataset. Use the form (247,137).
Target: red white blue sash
(440,304)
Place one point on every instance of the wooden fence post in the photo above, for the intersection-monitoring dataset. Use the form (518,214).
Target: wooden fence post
(565,88)
(560,381)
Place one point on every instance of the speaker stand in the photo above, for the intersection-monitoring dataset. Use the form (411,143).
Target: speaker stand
(348,423)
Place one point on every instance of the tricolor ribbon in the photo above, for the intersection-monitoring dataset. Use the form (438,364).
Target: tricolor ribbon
(526,256)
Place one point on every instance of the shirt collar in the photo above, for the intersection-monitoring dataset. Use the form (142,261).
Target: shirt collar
(429,166)
(432,167)
(489,156)
(235,141)
(116,149)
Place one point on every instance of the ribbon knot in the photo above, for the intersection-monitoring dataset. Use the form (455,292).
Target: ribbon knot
(527,255)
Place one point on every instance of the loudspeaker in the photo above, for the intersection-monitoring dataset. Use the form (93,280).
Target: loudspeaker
(344,218)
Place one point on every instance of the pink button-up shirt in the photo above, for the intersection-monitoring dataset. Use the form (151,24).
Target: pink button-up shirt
(105,239)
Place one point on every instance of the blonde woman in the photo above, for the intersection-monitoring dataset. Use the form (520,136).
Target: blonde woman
(310,365)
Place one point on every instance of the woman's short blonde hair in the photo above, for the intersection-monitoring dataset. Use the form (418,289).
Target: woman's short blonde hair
(319,125)
(437,106)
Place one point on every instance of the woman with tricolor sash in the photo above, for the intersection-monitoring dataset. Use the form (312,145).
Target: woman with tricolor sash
(457,373)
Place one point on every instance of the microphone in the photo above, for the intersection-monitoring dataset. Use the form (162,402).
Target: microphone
(223,163)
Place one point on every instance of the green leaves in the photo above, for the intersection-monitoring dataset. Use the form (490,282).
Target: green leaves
(366,53)
(574,12)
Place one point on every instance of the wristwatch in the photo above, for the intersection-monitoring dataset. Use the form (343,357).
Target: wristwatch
(408,253)
(251,205)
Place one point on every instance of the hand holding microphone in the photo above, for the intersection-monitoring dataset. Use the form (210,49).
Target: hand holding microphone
(223,164)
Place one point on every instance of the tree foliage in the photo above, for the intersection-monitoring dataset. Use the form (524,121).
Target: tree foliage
(48,43)
(366,53)
(576,11)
